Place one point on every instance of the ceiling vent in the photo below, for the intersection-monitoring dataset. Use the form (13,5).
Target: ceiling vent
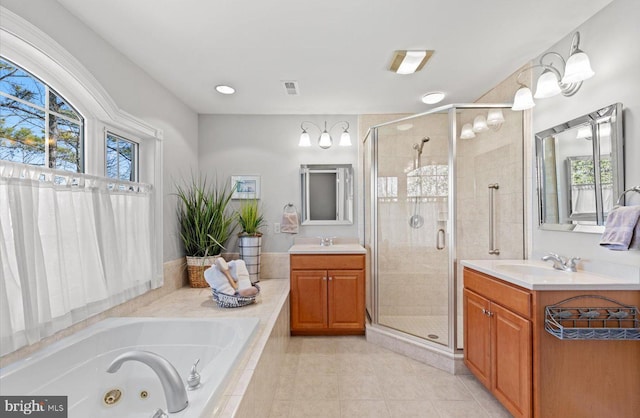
(291,87)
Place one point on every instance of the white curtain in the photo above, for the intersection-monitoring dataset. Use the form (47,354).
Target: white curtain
(71,245)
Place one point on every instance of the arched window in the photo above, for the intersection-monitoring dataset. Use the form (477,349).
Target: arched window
(37,125)
(80,191)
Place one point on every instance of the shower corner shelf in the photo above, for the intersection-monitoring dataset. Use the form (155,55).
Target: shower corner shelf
(619,322)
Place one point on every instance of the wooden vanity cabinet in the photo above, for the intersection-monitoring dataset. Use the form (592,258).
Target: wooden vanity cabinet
(498,340)
(535,374)
(327,294)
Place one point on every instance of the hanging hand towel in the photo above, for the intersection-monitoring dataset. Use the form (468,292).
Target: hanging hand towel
(290,221)
(620,227)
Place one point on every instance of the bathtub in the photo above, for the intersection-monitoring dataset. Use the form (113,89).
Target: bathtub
(76,366)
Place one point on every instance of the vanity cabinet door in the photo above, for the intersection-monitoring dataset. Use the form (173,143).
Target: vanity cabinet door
(511,359)
(346,299)
(498,340)
(327,294)
(308,299)
(477,333)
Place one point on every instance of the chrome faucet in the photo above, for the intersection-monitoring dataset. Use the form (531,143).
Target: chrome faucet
(562,263)
(326,241)
(174,391)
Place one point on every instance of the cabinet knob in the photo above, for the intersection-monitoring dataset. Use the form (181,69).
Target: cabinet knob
(330,278)
(324,278)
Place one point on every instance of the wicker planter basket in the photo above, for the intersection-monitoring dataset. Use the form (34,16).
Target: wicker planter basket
(196,267)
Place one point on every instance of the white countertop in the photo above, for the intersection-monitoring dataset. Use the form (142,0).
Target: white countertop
(538,275)
(340,246)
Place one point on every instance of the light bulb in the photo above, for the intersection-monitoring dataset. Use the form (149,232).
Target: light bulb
(325,140)
(345,139)
(305,140)
(523,99)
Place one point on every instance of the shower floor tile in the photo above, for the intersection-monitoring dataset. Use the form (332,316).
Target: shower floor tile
(434,328)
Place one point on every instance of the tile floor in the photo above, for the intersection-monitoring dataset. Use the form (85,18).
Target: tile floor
(348,377)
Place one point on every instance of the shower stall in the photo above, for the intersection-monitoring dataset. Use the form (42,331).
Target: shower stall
(431,199)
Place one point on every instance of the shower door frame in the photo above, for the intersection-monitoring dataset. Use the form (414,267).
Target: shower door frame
(452,268)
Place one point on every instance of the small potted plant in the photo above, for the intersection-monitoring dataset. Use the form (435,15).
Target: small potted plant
(206,224)
(250,238)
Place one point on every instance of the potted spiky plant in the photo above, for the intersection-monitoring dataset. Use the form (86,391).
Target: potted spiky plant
(250,238)
(206,224)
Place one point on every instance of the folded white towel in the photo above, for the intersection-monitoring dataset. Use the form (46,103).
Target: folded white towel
(239,272)
(621,225)
(218,281)
(289,223)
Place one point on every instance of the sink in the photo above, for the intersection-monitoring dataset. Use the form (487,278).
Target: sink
(527,270)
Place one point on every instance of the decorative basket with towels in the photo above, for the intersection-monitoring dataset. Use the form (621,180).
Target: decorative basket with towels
(230,284)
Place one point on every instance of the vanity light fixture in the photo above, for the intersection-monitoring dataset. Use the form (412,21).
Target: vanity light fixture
(409,62)
(493,121)
(325,141)
(224,89)
(552,81)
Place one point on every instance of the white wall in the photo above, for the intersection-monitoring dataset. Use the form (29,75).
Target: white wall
(267,145)
(610,39)
(132,89)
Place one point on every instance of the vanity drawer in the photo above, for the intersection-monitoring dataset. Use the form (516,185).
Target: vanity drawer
(507,295)
(327,261)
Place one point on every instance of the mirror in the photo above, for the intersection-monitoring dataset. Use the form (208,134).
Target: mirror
(580,171)
(327,194)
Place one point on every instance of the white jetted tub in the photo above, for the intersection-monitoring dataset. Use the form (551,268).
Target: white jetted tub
(76,366)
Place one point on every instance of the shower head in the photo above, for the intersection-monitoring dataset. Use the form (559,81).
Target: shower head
(419,146)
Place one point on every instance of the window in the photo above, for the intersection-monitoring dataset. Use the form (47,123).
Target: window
(388,189)
(121,158)
(37,125)
(428,181)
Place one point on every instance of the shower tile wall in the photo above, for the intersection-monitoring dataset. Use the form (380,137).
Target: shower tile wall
(490,157)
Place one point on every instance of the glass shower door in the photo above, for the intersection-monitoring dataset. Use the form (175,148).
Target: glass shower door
(412,178)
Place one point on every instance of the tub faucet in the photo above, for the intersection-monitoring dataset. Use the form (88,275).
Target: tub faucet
(174,391)
(562,263)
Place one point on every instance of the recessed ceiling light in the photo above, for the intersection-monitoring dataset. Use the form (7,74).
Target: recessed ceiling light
(225,89)
(408,62)
(433,97)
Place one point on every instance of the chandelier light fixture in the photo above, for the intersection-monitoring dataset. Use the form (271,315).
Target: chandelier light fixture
(552,81)
(325,140)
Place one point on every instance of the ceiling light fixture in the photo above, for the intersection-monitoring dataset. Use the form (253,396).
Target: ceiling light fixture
(552,82)
(433,97)
(409,62)
(325,140)
(224,89)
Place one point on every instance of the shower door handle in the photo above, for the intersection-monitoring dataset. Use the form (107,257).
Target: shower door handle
(439,234)
(492,230)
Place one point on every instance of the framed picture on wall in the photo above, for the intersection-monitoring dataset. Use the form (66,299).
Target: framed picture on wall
(245,187)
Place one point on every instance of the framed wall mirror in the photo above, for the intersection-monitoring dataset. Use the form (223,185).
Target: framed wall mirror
(326,194)
(580,171)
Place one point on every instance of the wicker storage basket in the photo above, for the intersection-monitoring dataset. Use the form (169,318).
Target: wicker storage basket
(233,301)
(196,267)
